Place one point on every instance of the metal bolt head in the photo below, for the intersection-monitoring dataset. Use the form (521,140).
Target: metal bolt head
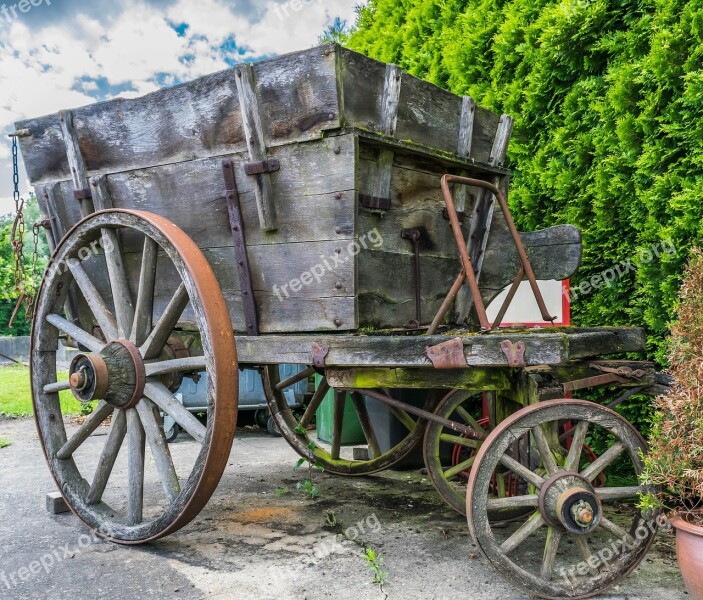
(338,322)
(338,230)
(582,512)
(338,196)
(337,150)
(338,285)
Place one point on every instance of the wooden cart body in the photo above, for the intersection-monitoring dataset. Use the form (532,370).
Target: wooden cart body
(357,149)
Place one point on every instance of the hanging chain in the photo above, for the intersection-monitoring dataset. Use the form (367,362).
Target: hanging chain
(19,228)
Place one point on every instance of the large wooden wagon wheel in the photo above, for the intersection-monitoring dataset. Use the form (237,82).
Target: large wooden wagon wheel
(296,433)
(576,542)
(131,366)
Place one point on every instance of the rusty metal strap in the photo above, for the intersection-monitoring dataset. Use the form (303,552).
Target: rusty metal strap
(515,353)
(448,355)
(84,194)
(240,248)
(270,165)
(374,202)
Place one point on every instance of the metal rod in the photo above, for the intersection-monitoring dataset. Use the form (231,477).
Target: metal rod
(463,252)
(509,298)
(447,303)
(519,246)
(453,425)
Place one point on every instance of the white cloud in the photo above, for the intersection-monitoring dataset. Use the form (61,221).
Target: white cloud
(58,65)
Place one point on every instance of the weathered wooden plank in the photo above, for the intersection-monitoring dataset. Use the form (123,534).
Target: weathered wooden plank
(198,119)
(488,379)
(311,177)
(543,347)
(298,95)
(323,295)
(396,351)
(555,253)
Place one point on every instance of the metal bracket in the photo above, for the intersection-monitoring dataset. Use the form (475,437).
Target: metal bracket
(460,214)
(319,355)
(448,355)
(240,248)
(515,353)
(374,202)
(270,165)
(84,194)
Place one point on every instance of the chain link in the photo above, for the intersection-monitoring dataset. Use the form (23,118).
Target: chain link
(23,287)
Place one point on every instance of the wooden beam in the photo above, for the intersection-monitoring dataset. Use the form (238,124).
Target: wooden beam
(256,144)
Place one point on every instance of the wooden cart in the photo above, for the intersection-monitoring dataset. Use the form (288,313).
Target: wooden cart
(309,209)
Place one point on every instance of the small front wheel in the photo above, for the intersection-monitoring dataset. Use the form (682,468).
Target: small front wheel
(580,536)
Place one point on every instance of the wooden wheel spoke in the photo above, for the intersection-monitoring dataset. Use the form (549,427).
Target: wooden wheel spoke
(337,423)
(192,363)
(586,554)
(103,316)
(144,308)
(121,296)
(366,424)
(304,374)
(468,419)
(551,547)
(59,386)
(102,411)
(545,452)
(528,500)
(461,441)
(79,335)
(151,422)
(616,530)
(521,471)
(462,466)
(164,327)
(609,494)
(523,532)
(577,441)
(118,430)
(405,419)
(608,457)
(164,399)
(315,402)
(136,446)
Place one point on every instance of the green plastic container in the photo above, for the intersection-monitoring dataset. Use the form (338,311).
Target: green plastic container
(352,433)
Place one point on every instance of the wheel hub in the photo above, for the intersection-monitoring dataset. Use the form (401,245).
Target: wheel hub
(569,502)
(116,375)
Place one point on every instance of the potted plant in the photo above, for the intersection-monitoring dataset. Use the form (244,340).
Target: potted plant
(674,465)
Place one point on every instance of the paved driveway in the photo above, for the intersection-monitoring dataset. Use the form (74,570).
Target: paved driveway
(252,543)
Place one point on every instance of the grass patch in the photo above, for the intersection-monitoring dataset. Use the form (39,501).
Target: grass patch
(16,395)
(4,443)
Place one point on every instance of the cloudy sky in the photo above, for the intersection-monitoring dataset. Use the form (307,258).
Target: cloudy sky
(67,53)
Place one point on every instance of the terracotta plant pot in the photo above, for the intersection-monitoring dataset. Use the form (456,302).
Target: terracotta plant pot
(689,551)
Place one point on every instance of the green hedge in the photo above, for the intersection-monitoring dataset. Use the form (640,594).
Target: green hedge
(608,100)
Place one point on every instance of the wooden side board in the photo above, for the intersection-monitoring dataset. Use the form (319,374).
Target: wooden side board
(385,351)
(297,97)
